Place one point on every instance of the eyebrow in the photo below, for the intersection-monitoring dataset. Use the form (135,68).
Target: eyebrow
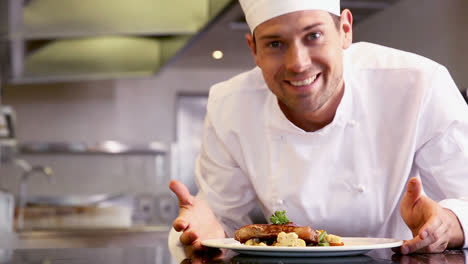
(307,28)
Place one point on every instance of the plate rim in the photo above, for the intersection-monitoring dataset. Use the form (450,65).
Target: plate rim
(231,243)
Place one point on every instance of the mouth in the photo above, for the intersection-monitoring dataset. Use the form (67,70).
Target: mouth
(305,82)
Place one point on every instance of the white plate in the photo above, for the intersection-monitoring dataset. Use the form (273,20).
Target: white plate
(352,246)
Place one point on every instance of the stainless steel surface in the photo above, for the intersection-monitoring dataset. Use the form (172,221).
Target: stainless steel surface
(191,110)
(28,171)
(155,209)
(156,253)
(100,148)
(73,200)
(143,210)
(5,255)
(6,211)
(76,232)
(8,144)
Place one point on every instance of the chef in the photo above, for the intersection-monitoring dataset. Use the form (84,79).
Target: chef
(356,139)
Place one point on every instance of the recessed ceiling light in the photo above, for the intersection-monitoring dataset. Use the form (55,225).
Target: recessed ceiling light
(217,54)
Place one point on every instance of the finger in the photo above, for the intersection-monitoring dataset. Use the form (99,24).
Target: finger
(188,238)
(413,189)
(397,249)
(433,228)
(435,232)
(437,247)
(439,236)
(180,224)
(189,252)
(182,192)
(428,240)
(415,244)
(197,246)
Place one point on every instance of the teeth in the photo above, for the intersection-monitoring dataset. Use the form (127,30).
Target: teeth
(304,82)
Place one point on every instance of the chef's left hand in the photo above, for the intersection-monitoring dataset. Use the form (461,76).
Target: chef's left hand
(434,228)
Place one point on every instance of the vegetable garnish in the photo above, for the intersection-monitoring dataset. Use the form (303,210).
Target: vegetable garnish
(321,239)
(279,218)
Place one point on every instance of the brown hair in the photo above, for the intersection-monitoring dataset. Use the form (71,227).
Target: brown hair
(337,20)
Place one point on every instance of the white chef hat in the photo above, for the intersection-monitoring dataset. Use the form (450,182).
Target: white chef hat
(259,11)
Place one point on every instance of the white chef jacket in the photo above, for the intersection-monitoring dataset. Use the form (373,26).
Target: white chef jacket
(401,116)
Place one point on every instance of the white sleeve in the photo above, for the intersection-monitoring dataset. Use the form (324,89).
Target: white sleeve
(175,247)
(460,208)
(221,181)
(443,158)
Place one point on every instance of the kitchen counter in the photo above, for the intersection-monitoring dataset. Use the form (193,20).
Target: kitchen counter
(158,253)
(379,256)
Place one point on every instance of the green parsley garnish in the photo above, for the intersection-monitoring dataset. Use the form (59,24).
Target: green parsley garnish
(279,218)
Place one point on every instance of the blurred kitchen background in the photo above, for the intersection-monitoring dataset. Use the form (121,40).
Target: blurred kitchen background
(102,101)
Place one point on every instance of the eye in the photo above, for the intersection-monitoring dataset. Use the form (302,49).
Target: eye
(314,36)
(274,44)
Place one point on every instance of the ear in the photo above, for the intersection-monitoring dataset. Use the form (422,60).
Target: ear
(252,46)
(346,25)
(251,43)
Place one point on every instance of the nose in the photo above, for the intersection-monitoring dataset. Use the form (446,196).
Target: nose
(297,58)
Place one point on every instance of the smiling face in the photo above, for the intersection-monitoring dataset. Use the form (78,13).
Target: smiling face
(300,55)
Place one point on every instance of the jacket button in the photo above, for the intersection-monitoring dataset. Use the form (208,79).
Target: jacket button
(360,188)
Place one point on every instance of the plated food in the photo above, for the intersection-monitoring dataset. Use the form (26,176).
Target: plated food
(282,238)
(282,232)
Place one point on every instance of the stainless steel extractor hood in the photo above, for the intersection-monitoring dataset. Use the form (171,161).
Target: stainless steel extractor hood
(56,40)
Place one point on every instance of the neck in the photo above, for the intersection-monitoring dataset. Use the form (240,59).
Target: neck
(317,119)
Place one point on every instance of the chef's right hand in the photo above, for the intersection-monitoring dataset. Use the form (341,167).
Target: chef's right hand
(196,221)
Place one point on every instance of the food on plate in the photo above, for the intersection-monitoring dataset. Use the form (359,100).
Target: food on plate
(282,232)
(269,232)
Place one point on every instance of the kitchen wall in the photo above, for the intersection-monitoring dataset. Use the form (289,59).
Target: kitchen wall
(127,110)
(3,35)
(432,28)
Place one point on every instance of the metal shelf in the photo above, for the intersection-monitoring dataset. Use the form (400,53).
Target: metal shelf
(101,148)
